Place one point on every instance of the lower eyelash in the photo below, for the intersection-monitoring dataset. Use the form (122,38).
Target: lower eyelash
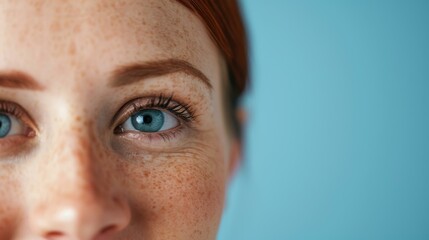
(166,135)
(148,138)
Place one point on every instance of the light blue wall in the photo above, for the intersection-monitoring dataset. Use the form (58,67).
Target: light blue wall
(338,137)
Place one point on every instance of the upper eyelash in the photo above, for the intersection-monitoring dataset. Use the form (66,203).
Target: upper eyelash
(185,112)
(10,108)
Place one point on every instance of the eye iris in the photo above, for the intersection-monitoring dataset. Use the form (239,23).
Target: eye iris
(150,120)
(5,125)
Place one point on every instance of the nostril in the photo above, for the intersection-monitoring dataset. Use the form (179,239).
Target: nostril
(57,235)
(108,229)
(76,219)
(54,235)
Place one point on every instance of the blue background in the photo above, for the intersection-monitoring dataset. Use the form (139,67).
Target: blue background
(338,131)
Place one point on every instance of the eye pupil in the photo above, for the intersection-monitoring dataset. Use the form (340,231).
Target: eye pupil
(5,125)
(150,120)
(147,119)
(144,119)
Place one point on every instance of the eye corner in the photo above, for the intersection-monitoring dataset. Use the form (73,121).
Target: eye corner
(31,132)
(118,129)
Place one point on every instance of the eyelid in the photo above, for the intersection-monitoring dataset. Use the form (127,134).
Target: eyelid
(136,104)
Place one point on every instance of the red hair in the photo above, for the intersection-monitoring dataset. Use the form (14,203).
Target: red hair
(224,23)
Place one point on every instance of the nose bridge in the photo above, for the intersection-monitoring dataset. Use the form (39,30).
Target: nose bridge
(79,154)
(71,171)
(73,194)
(75,160)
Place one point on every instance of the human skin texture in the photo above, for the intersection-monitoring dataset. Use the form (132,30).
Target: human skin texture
(72,73)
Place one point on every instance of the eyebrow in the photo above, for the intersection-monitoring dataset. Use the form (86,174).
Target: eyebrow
(132,73)
(18,80)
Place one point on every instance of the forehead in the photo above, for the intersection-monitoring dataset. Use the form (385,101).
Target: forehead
(100,34)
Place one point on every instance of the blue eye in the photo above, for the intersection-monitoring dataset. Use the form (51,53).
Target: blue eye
(150,120)
(9,125)
(5,125)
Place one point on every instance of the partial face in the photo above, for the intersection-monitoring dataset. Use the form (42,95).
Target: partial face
(111,122)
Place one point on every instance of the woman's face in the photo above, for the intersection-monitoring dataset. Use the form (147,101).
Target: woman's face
(111,122)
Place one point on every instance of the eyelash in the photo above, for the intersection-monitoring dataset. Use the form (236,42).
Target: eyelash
(184,112)
(10,108)
(18,112)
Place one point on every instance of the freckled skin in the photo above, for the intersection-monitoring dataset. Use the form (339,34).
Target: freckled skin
(76,178)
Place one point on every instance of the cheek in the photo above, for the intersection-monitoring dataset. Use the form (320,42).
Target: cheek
(180,193)
(10,213)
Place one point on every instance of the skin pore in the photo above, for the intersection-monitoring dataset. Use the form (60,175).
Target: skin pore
(72,76)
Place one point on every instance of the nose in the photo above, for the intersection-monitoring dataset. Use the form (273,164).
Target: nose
(74,196)
(83,221)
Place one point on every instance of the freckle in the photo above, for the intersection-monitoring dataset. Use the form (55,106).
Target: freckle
(55,26)
(89,123)
(79,154)
(72,49)
(77,29)
(101,155)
